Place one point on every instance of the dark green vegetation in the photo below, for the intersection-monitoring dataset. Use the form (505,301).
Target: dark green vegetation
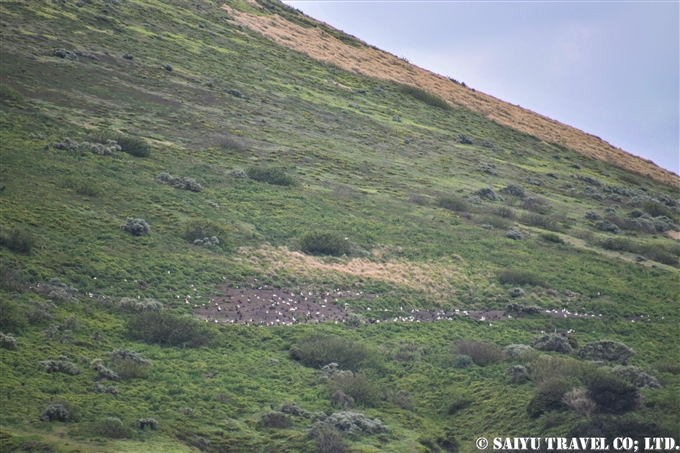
(425,216)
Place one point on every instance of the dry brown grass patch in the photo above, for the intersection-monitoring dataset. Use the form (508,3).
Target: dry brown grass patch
(434,278)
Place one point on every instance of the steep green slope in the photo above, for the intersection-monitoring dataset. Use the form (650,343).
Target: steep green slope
(379,164)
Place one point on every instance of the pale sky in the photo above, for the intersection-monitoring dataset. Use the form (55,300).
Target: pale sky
(609,68)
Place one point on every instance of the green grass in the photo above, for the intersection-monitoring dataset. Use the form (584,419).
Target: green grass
(346,171)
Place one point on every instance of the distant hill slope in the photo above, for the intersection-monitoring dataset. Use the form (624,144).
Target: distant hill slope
(373,62)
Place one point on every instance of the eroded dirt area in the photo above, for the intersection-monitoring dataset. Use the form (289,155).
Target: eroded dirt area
(266,306)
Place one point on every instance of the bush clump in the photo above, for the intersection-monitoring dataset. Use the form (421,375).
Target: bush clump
(606,225)
(136,227)
(606,350)
(356,386)
(613,395)
(324,243)
(135,146)
(56,412)
(60,366)
(237,173)
(275,419)
(577,400)
(425,96)
(104,373)
(636,376)
(7,341)
(318,350)
(12,319)
(552,237)
(348,422)
(18,239)
(481,353)
(465,140)
(202,229)
(513,189)
(514,234)
(512,351)
(112,428)
(129,364)
(133,305)
(271,175)
(519,277)
(453,203)
(167,329)
(552,342)
(146,423)
(518,374)
(487,192)
(179,183)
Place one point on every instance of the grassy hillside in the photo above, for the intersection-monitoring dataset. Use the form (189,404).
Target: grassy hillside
(117,333)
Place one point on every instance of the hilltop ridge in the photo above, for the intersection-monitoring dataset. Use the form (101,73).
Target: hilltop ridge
(373,62)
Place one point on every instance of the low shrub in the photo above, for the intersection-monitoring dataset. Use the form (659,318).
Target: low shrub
(513,189)
(237,173)
(18,239)
(86,187)
(606,350)
(356,386)
(536,204)
(112,389)
(275,419)
(229,143)
(655,209)
(514,234)
(129,364)
(577,400)
(189,184)
(60,366)
(146,423)
(612,395)
(607,225)
(481,353)
(519,277)
(453,203)
(103,373)
(465,140)
(552,237)
(329,440)
(462,361)
(167,329)
(607,427)
(541,221)
(200,229)
(324,243)
(544,368)
(488,193)
(518,374)
(56,412)
(504,212)
(12,318)
(548,397)
(271,175)
(513,351)
(136,227)
(661,253)
(7,341)
(516,292)
(319,350)
(134,146)
(425,96)
(112,428)
(9,94)
(592,215)
(136,305)
(552,342)
(349,422)
(636,376)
